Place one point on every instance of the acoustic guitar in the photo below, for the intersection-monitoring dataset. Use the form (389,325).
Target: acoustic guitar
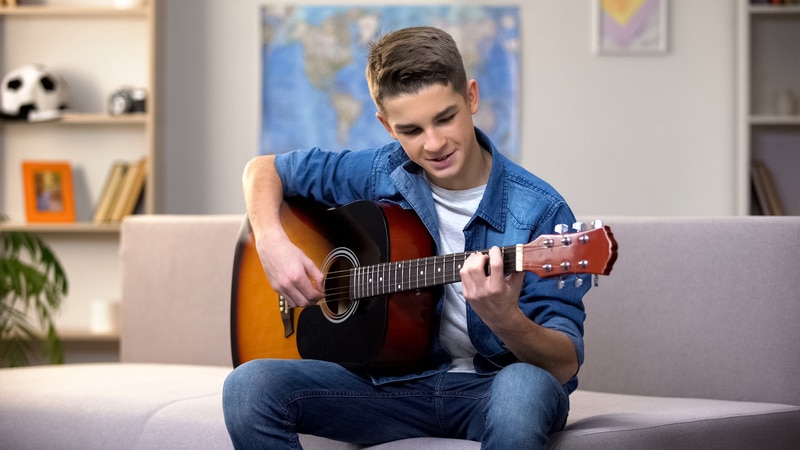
(382,281)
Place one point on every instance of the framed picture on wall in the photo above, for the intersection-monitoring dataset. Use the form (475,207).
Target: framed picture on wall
(630,27)
(48,191)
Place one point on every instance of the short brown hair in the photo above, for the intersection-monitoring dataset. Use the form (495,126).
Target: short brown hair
(410,59)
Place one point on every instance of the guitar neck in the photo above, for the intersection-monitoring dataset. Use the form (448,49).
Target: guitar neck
(584,252)
(400,276)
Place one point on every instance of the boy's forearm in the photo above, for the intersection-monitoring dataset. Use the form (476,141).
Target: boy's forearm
(263,193)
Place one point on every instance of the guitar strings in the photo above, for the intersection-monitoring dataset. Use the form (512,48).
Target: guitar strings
(343,293)
(428,261)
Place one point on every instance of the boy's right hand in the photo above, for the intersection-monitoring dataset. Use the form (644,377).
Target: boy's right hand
(291,273)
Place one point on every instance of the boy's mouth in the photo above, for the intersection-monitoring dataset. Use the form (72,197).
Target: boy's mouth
(442,158)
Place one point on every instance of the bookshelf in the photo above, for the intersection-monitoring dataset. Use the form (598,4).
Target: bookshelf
(97,48)
(769,102)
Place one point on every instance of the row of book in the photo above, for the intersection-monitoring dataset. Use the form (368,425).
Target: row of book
(766,199)
(121,192)
(774,2)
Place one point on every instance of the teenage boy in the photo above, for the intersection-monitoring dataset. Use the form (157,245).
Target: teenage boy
(508,346)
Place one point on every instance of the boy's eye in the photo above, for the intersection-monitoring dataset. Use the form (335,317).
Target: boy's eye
(415,131)
(411,132)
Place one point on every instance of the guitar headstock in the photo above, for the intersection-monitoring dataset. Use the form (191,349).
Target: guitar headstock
(581,252)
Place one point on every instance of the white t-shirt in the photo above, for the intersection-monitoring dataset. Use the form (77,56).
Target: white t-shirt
(454,210)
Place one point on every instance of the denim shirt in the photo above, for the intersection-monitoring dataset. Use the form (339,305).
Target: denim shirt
(516,207)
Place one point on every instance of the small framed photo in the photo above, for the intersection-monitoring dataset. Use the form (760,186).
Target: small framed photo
(48,191)
(630,27)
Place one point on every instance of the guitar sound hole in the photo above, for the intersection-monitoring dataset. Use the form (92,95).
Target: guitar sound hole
(338,304)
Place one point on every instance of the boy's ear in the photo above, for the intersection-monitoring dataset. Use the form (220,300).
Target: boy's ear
(386,125)
(473,96)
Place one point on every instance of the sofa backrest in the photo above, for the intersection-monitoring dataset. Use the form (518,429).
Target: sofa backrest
(698,307)
(176,285)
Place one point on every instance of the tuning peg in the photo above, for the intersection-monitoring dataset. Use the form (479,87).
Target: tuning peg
(561,228)
(596,280)
(597,223)
(579,226)
(561,283)
(578,281)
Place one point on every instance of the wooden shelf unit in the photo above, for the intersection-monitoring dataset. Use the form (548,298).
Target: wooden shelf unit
(97,49)
(768,66)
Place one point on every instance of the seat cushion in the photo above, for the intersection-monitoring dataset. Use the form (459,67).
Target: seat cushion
(124,406)
(604,420)
(149,406)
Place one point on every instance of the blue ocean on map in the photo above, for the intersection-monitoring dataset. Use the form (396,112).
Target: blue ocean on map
(315,94)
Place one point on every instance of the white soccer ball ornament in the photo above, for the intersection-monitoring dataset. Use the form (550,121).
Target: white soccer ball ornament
(34,93)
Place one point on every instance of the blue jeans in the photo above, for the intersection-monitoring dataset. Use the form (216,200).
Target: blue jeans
(268,402)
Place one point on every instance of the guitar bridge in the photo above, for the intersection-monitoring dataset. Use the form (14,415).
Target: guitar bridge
(287,317)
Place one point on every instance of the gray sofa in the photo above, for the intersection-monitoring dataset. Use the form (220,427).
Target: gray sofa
(690,343)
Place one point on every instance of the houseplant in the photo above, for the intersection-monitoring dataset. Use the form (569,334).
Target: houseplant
(32,286)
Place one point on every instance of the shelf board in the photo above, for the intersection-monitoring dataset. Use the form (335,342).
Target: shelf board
(75,227)
(775,120)
(102,119)
(774,9)
(75,335)
(75,11)
(85,335)
(73,118)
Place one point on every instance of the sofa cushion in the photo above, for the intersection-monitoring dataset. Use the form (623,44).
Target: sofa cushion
(157,406)
(602,421)
(124,406)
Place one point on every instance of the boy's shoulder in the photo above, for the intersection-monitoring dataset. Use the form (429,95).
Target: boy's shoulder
(521,178)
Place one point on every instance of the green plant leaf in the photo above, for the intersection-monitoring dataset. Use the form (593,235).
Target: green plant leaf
(32,281)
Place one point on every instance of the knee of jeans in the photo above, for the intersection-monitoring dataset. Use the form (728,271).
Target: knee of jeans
(235,386)
(243,386)
(526,404)
(528,381)
(524,390)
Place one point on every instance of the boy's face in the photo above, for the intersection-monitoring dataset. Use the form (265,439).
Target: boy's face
(435,128)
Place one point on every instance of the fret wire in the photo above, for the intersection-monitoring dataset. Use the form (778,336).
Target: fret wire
(416,270)
(354,282)
(371,280)
(361,282)
(368,280)
(384,277)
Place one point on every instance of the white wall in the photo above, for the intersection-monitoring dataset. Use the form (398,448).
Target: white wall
(646,135)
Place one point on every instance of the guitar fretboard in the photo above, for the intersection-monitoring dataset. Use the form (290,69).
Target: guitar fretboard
(413,274)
